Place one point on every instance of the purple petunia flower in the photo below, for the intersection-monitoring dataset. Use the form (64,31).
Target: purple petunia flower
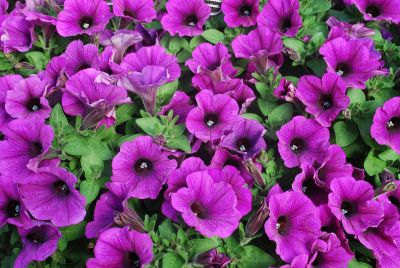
(240,13)
(212,258)
(379,9)
(286,91)
(180,104)
(18,34)
(139,11)
(214,115)
(346,30)
(27,99)
(53,186)
(354,60)
(385,128)
(208,206)
(143,166)
(242,93)
(80,57)
(185,18)
(293,224)
(12,209)
(246,138)
(262,46)
(281,16)
(147,70)
(352,203)
(94,101)
(7,82)
(302,141)
(324,98)
(39,242)
(83,17)
(122,248)
(212,61)
(26,145)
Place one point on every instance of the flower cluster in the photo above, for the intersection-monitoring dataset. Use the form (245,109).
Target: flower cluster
(200,133)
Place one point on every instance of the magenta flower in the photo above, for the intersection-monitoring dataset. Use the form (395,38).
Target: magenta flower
(26,145)
(27,99)
(83,17)
(212,258)
(12,209)
(8,82)
(185,19)
(302,141)
(39,242)
(139,11)
(281,16)
(214,115)
(208,206)
(180,105)
(325,98)
(286,91)
(354,60)
(143,166)
(379,9)
(352,203)
(53,186)
(385,128)
(80,57)
(246,138)
(347,31)
(292,224)
(18,34)
(240,13)
(122,248)
(262,46)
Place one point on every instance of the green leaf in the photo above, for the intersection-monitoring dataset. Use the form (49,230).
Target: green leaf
(76,145)
(203,244)
(172,260)
(90,189)
(253,116)
(295,44)
(281,114)
(309,7)
(166,229)
(124,113)
(59,121)
(73,232)
(318,66)
(346,132)
(5,64)
(165,93)
(176,44)
(214,36)
(389,155)
(373,165)
(150,125)
(181,143)
(37,59)
(92,165)
(266,107)
(195,41)
(355,264)
(356,95)
(255,257)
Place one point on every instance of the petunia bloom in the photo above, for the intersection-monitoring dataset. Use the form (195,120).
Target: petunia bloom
(293,224)
(18,34)
(142,165)
(122,248)
(207,206)
(83,17)
(39,242)
(240,13)
(302,141)
(379,9)
(354,60)
(185,18)
(212,258)
(139,11)
(27,99)
(352,203)
(8,82)
(80,57)
(180,105)
(214,115)
(324,98)
(385,128)
(281,16)
(53,186)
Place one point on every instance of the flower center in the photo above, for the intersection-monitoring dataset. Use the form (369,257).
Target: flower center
(35,237)
(129,13)
(13,208)
(296,145)
(282,225)
(33,104)
(142,166)
(245,10)
(347,208)
(1,136)
(35,149)
(132,260)
(342,69)
(286,25)
(198,210)
(61,188)
(325,101)
(394,201)
(243,144)
(85,22)
(393,123)
(309,187)
(211,120)
(231,162)
(83,66)
(373,11)
(191,20)
(317,261)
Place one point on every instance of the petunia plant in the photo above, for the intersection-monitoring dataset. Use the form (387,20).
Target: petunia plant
(200,133)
